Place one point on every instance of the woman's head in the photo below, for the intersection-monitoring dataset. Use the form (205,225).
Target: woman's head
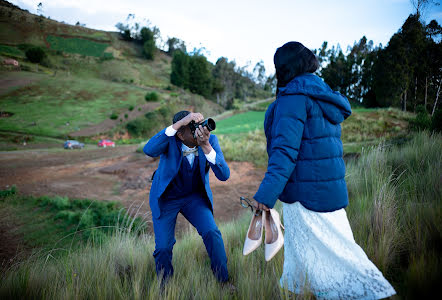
(291,60)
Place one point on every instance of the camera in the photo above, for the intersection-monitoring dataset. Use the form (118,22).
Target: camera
(208,123)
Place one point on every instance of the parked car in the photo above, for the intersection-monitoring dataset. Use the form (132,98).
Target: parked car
(106,143)
(73,144)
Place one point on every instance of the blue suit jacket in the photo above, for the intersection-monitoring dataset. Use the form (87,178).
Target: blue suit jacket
(169,150)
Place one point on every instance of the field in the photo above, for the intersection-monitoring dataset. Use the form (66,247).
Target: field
(395,213)
(243,138)
(77,45)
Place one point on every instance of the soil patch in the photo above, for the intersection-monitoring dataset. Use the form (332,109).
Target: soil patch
(5,114)
(7,83)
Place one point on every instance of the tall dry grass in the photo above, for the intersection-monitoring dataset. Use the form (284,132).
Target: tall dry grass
(395,212)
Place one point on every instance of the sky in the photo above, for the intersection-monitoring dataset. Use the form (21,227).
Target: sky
(245,31)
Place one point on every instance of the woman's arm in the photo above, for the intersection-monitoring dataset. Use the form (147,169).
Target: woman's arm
(287,130)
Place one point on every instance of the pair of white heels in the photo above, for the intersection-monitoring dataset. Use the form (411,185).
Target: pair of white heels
(274,240)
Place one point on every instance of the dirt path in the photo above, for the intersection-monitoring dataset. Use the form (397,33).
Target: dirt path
(7,83)
(112,174)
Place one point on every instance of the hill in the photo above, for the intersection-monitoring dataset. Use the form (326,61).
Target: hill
(91,84)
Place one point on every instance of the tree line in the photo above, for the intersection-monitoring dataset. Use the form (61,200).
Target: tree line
(222,82)
(404,74)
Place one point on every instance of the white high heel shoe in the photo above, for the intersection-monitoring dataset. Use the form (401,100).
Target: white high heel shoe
(254,233)
(274,239)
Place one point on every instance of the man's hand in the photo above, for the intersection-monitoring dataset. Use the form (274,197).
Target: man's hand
(197,117)
(202,135)
(260,206)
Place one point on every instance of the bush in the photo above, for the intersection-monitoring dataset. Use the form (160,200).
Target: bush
(35,54)
(149,49)
(113,116)
(126,116)
(436,121)
(131,108)
(152,96)
(8,192)
(422,120)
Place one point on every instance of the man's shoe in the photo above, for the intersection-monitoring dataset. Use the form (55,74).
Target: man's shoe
(254,233)
(230,287)
(274,239)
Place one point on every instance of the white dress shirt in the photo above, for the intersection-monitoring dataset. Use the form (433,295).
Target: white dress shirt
(211,156)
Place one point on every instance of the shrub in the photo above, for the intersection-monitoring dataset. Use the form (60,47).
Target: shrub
(113,116)
(131,108)
(422,120)
(35,54)
(149,49)
(126,116)
(436,121)
(8,192)
(152,96)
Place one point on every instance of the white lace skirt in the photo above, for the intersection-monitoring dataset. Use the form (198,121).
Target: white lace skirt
(321,255)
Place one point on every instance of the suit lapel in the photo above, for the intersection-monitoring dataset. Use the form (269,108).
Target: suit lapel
(202,161)
(179,155)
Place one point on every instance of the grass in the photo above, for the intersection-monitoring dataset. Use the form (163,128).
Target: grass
(56,106)
(242,135)
(76,45)
(14,141)
(11,51)
(241,123)
(48,223)
(395,212)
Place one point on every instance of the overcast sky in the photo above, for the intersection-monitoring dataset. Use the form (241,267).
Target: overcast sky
(245,30)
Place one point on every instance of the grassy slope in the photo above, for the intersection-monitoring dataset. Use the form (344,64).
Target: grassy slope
(243,139)
(77,84)
(395,213)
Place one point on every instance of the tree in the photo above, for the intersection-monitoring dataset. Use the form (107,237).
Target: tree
(35,54)
(421,5)
(40,9)
(224,81)
(259,73)
(180,69)
(200,77)
(174,44)
(149,49)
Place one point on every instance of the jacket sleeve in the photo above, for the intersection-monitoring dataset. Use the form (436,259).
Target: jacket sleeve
(220,168)
(157,145)
(287,130)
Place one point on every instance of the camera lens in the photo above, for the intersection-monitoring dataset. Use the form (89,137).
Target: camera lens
(210,124)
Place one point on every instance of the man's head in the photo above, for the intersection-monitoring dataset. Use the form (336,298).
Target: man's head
(184,133)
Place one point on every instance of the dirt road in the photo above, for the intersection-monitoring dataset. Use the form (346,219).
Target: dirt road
(116,174)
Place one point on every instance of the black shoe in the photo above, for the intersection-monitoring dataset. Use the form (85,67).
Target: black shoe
(229,287)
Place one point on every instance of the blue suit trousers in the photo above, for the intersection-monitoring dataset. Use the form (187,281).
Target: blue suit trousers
(196,210)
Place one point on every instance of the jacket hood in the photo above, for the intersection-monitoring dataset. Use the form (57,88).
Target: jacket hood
(334,106)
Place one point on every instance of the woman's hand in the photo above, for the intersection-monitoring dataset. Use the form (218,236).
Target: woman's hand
(260,206)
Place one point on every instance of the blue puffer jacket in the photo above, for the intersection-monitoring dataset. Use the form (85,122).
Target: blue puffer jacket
(304,145)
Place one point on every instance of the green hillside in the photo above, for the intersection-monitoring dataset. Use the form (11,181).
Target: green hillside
(87,76)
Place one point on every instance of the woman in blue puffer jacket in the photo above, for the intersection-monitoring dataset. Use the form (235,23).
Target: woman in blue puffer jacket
(306,172)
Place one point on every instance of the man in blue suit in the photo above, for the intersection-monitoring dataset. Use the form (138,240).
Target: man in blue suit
(181,185)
